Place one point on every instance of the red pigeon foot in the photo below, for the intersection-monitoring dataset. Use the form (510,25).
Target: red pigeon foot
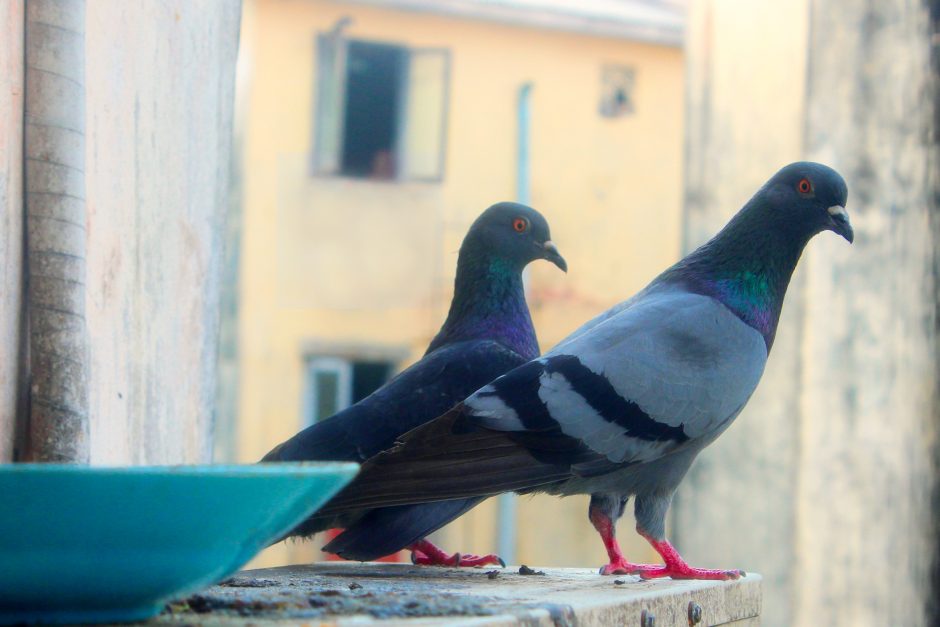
(623,567)
(426,553)
(605,527)
(677,568)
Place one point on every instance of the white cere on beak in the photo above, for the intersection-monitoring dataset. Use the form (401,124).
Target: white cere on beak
(549,245)
(837,210)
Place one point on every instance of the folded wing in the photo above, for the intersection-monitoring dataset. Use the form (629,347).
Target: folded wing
(671,368)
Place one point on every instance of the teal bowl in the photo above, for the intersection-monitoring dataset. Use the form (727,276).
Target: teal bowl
(83,544)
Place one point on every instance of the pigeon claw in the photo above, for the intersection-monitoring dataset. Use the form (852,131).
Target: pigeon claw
(424,553)
(623,567)
(420,558)
(482,560)
(677,568)
(457,560)
(684,571)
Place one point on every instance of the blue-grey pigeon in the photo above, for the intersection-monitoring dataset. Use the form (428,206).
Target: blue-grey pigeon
(622,406)
(488,332)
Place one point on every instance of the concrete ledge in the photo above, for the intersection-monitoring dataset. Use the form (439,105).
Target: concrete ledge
(343,593)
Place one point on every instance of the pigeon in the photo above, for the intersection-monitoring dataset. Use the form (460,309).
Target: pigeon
(488,331)
(622,406)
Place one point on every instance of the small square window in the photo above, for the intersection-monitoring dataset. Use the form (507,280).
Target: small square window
(617,91)
(381,110)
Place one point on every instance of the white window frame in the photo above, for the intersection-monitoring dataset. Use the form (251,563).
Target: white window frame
(316,365)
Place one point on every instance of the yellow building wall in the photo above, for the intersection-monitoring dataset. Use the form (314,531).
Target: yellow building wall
(353,262)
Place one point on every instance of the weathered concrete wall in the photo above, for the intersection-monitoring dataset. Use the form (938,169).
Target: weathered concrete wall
(157,117)
(827,476)
(744,115)
(160,82)
(870,381)
(11,215)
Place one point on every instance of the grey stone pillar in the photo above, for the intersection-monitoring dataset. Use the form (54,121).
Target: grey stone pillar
(55,219)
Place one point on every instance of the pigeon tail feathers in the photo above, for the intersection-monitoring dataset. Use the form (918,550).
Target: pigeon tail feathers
(448,458)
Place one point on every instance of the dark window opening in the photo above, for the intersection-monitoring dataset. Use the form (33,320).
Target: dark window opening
(381,110)
(367,377)
(374,79)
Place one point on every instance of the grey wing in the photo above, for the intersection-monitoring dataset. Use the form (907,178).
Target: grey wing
(668,369)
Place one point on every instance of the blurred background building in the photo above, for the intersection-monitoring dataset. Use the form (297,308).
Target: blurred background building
(368,136)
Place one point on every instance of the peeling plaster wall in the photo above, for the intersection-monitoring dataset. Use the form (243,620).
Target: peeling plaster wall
(158,117)
(11,216)
(160,96)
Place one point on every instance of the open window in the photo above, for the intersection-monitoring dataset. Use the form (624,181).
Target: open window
(334,383)
(381,110)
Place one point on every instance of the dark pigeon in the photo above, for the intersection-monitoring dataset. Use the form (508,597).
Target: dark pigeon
(488,332)
(622,406)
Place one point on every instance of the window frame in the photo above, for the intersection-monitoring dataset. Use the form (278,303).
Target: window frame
(315,364)
(316,350)
(445,54)
(330,86)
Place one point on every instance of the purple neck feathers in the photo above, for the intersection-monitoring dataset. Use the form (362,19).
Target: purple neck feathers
(489,304)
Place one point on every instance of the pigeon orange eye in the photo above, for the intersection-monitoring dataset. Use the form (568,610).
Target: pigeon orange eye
(804,186)
(520,225)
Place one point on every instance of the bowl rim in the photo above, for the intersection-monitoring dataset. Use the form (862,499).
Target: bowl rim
(274,469)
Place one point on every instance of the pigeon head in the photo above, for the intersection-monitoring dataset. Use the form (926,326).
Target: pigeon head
(513,234)
(489,297)
(748,264)
(805,198)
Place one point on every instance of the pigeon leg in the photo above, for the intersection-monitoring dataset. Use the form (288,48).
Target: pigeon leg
(650,523)
(677,568)
(426,553)
(603,512)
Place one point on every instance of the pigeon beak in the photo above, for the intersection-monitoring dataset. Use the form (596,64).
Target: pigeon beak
(840,222)
(551,254)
